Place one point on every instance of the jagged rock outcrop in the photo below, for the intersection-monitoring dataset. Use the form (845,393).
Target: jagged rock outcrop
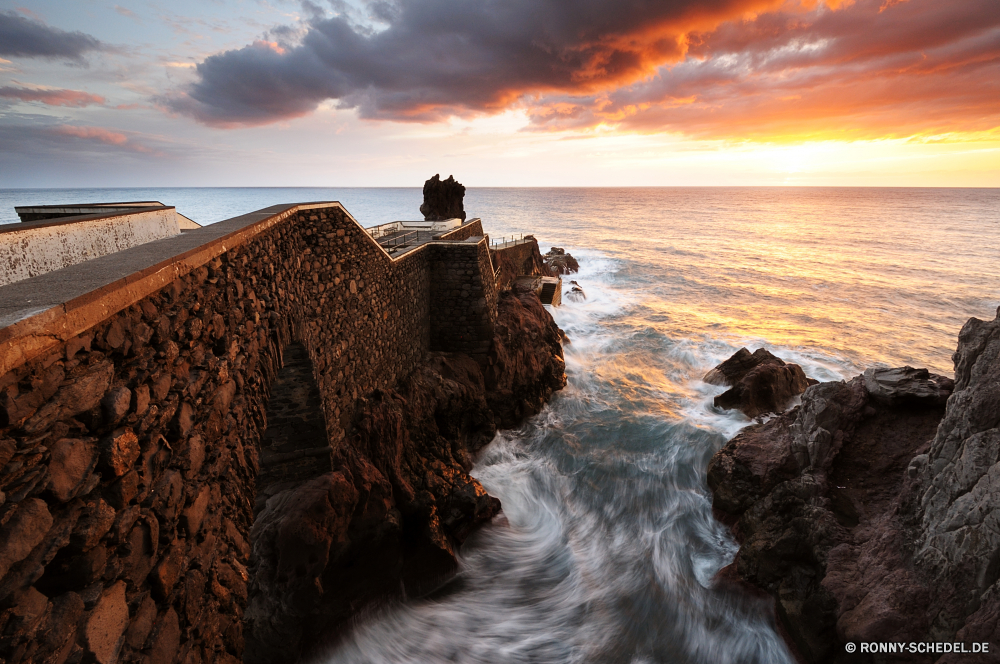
(443,199)
(559,262)
(576,292)
(871,512)
(759,383)
(400,500)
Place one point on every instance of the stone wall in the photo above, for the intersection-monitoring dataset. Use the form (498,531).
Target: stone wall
(518,260)
(130,416)
(471,228)
(463,297)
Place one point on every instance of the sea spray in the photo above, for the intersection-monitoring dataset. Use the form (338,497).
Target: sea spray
(607,549)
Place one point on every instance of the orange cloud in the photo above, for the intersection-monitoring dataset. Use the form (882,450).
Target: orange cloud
(930,69)
(74,98)
(105,136)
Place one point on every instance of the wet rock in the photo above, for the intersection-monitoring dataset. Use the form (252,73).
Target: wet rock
(525,366)
(443,199)
(292,539)
(575,294)
(559,262)
(760,382)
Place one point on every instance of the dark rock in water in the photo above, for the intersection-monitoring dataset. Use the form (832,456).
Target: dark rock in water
(559,262)
(443,199)
(871,509)
(576,293)
(761,382)
(400,499)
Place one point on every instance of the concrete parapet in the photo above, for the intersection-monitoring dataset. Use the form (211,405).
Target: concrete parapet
(32,248)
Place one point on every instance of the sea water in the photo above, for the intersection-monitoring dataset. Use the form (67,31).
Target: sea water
(606,549)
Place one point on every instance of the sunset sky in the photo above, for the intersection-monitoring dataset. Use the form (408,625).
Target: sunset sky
(499,92)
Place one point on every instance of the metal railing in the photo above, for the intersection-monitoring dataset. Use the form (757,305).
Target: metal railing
(504,241)
(384,229)
(396,242)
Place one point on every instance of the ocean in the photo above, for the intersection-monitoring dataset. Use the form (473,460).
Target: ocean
(607,548)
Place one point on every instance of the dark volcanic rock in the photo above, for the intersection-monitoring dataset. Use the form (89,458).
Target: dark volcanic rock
(443,199)
(761,382)
(559,262)
(908,385)
(400,500)
(575,293)
(870,512)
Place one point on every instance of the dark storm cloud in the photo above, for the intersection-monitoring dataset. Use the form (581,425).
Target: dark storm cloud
(727,68)
(22,37)
(440,57)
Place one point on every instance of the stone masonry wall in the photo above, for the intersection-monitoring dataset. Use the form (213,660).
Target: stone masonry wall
(472,228)
(129,454)
(517,260)
(463,297)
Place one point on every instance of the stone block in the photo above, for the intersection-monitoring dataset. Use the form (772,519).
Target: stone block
(164,576)
(123,491)
(106,625)
(140,399)
(119,452)
(166,641)
(96,521)
(71,462)
(116,403)
(74,397)
(142,623)
(194,513)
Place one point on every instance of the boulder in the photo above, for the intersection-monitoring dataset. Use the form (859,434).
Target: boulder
(872,508)
(559,262)
(908,385)
(760,382)
(576,294)
(443,199)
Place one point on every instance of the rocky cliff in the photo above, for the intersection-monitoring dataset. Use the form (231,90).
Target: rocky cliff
(400,500)
(871,512)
